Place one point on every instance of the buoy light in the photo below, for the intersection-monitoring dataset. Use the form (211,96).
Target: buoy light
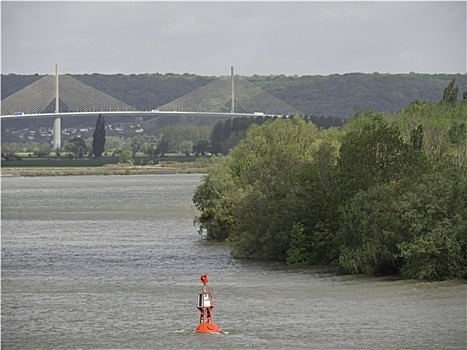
(205,306)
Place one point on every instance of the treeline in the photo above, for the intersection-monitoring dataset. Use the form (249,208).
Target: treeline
(343,95)
(335,95)
(180,138)
(383,194)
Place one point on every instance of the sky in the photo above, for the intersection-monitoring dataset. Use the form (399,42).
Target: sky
(207,38)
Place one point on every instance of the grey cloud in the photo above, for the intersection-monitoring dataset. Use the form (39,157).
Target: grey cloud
(256,37)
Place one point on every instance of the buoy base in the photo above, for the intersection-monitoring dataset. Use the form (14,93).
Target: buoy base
(207,328)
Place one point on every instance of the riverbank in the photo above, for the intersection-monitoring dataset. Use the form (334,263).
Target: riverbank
(109,169)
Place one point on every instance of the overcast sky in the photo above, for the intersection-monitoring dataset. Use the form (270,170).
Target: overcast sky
(206,38)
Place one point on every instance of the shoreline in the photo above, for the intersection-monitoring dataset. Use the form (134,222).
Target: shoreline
(103,170)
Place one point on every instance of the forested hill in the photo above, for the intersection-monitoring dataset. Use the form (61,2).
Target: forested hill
(334,95)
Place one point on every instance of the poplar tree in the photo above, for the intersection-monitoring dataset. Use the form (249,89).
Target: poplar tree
(98,139)
(450,93)
(217,137)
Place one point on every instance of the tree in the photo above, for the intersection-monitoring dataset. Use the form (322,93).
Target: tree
(136,143)
(217,137)
(440,123)
(9,149)
(213,198)
(178,136)
(98,139)
(450,93)
(267,169)
(227,129)
(384,194)
(114,144)
(458,136)
(434,215)
(126,157)
(76,146)
(368,235)
(145,144)
(186,147)
(43,150)
(201,147)
(416,138)
(162,148)
(297,253)
(374,153)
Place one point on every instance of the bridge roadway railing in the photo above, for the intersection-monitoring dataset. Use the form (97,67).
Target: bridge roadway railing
(155,113)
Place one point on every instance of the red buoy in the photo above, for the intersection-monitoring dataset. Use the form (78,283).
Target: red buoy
(205,306)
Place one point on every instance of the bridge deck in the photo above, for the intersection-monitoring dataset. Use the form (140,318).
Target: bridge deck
(130,113)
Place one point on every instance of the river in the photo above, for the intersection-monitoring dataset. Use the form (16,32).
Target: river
(113,262)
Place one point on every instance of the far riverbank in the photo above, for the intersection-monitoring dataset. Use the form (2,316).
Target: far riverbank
(106,165)
(109,169)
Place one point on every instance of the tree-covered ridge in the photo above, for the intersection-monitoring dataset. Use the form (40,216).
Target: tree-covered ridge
(334,95)
(384,194)
(344,95)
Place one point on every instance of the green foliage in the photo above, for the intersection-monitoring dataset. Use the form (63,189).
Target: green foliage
(373,153)
(458,145)
(76,146)
(228,133)
(297,253)
(113,144)
(43,150)
(98,139)
(201,147)
(137,143)
(344,95)
(450,93)
(318,178)
(457,133)
(162,148)
(212,199)
(434,214)
(416,138)
(385,194)
(217,137)
(438,255)
(11,148)
(368,233)
(265,187)
(177,137)
(442,128)
(126,157)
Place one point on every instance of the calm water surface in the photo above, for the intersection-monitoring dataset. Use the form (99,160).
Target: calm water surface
(113,262)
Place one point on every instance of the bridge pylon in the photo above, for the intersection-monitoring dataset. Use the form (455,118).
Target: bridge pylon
(58,121)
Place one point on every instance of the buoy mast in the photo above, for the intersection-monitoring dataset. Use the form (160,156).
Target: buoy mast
(205,306)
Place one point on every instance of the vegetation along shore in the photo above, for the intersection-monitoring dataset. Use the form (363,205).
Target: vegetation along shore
(384,194)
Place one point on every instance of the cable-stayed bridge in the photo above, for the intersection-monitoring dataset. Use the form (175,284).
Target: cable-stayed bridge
(223,97)
(75,95)
(233,94)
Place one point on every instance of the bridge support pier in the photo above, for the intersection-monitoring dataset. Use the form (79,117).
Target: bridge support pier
(57,133)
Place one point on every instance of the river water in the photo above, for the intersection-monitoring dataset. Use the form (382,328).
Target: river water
(113,262)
